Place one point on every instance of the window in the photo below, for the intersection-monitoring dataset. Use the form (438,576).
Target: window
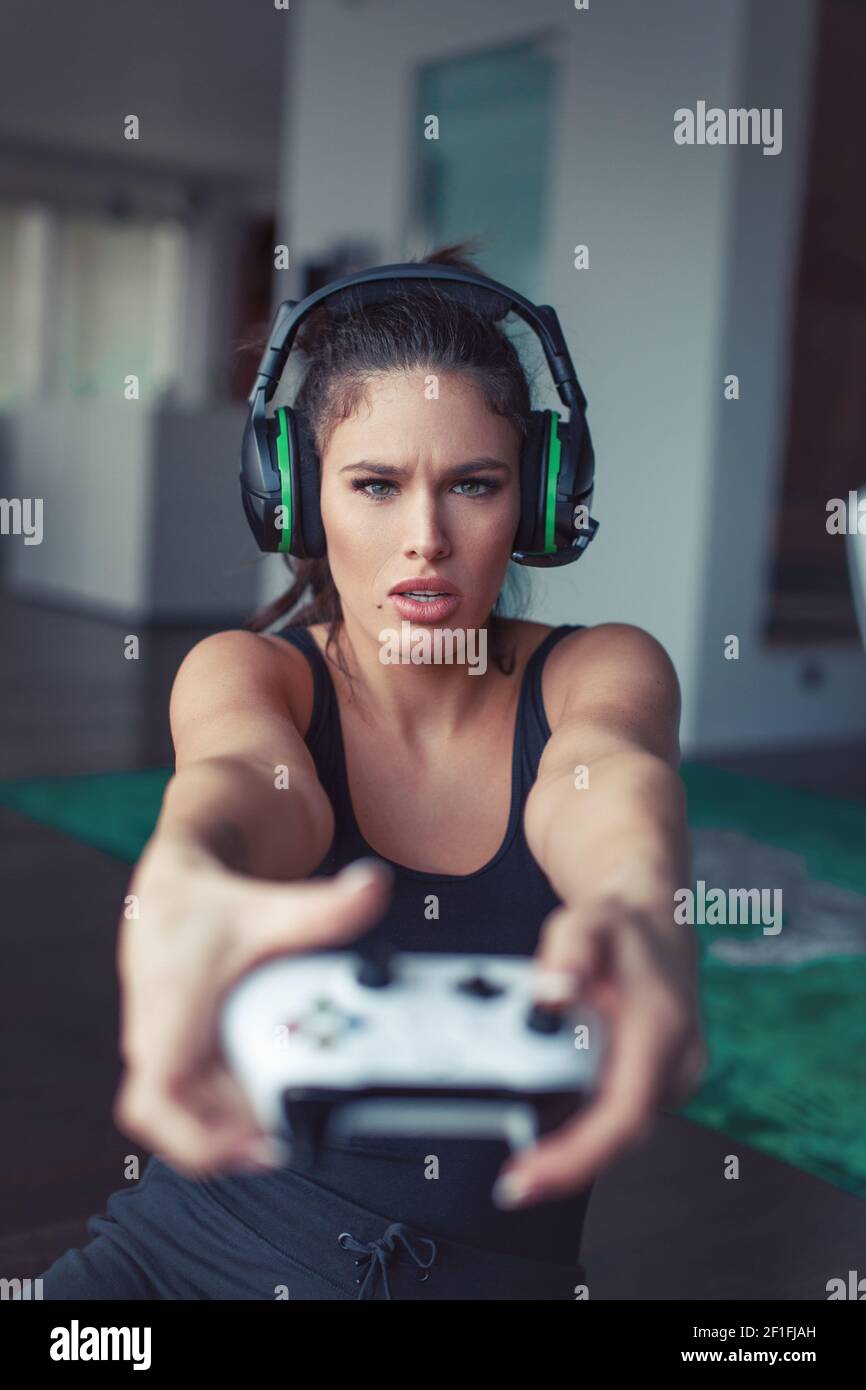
(487,174)
(87,300)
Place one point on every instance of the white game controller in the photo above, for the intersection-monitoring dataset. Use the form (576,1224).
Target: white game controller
(336,1043)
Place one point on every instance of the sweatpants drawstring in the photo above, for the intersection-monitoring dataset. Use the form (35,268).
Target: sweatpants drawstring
(377,1253)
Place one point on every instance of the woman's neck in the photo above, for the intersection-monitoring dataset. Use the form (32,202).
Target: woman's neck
(451,683)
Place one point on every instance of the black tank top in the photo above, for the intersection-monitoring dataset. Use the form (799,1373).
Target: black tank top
(496,910)
(499,908)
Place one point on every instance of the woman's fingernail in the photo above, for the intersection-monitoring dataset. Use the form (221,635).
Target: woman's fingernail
(556,986)
(362,872)
(510,1190)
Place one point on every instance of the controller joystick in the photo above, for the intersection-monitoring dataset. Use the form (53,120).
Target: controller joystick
(374,970)
(543,1020)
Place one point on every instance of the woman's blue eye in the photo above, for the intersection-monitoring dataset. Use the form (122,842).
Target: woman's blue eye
(488,483)
(359,484)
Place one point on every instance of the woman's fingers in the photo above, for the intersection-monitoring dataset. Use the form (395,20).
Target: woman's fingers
(640,1037)
(569,953)
(287,918)
(197,1127)
(180,1098)
(574,1156)
(687,1076)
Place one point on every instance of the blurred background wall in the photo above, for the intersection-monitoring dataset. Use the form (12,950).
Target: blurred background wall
(145,256)
(306,128)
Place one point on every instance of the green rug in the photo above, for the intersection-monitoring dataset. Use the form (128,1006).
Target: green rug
(787,1041)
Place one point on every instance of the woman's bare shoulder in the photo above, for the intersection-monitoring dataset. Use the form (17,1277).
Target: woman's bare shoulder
(295,676)
(619,647)
(611,662)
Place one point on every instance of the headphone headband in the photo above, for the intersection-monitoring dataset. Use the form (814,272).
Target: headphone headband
(497,299)
(574,478)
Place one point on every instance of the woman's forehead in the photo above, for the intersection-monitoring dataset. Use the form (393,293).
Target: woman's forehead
(421,405)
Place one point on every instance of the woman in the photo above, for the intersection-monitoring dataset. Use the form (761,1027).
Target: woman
(459,798)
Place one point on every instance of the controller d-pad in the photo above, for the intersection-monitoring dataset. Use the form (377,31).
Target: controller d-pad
(325,1023)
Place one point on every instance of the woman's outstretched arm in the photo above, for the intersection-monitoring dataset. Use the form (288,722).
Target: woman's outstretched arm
(606,821)
(245,787)
(607,812)
(244,808)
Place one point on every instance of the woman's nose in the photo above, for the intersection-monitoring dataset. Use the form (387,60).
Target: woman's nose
(425,533)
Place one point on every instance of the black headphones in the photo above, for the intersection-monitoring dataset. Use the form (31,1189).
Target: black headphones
(280,475)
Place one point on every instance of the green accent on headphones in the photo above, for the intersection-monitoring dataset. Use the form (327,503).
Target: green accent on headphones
(554,459)
(285,467)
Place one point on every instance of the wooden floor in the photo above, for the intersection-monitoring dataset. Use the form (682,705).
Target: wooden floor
(663,1223)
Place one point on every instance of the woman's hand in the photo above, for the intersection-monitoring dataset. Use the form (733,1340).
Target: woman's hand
(642,979)
(200,928)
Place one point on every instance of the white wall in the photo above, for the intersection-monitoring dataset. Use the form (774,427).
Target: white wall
(204,77)
(643,322)
(142,515)
(89,462)
(203,558)
(761,698)
(206,80)
(693,255)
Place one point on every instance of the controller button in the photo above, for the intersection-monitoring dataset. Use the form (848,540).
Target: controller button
(542,1020)
(374,973)
(481,988)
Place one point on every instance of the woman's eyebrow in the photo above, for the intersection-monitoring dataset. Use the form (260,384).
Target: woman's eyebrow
(393,470)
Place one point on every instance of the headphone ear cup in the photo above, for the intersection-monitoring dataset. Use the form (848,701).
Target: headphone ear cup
(309,530)
(533,464)
(587,462)
(584,472)
(534,483)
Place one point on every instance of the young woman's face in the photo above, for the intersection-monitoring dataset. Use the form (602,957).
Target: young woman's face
(398,501)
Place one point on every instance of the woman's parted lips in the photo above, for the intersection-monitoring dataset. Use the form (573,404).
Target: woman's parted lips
(427,585)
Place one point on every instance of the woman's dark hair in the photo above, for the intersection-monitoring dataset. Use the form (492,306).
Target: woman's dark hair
(411,329)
